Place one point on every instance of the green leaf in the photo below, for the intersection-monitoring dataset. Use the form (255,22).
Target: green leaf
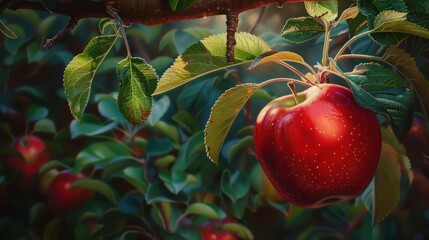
(361,96)
(101,154)
(302,29)
(274,55)
(137,81)
(108,108)
(209,55)
(97,186)
(160,107)
(136,176)
(389,90)
(326,10)
(189,152)
(179,5)
(223,114)
(383,194)
(158,146)
(240,145)
(208,210)
(387,36)
(156,192)
(176,181)
(6,31)
(104,23)
(35,113)
(239,230)
(236,185)
(45,125)
(80,72)
(52,164)
(407,65)
(187,121)
(90,128)
(371,8)
(418,6)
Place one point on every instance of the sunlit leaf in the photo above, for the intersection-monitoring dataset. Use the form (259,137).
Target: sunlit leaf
(348,13)
(209,55)
(137,81)
(326,10)
(80,72)
(302,29)
(223,114)
(274,55)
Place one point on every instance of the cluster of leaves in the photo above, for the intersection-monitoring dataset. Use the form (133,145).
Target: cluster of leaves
(147,156)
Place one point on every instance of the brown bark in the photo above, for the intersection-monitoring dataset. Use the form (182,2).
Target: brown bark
(150,12)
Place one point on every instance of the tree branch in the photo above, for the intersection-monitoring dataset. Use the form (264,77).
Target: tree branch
(148,12)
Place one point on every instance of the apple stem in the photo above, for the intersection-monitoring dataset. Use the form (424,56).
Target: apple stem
(293,90)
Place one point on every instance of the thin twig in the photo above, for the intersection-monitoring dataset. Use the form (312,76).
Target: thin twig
(260,17)
(69,26)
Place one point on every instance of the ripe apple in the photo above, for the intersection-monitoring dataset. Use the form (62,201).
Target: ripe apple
(212,230)
(34,154)
(321,151)
(62,198)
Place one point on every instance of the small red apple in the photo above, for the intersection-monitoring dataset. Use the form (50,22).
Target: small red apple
(62,198)
(212,230)
(34,153)
(322,151)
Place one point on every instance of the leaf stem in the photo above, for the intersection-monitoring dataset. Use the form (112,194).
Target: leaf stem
(112,12)
(293,69)
(350,41)
(325,54)
(274,80)
(374,58)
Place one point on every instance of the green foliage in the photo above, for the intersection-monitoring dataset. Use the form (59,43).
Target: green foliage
(148,159)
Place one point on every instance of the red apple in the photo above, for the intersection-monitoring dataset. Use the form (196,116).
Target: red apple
(34,155)
(322,151)
(212,230)
(62,198)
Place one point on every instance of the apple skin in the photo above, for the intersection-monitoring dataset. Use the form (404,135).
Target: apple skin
(323,151)
(211,230)
(62,199)
(34,152)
